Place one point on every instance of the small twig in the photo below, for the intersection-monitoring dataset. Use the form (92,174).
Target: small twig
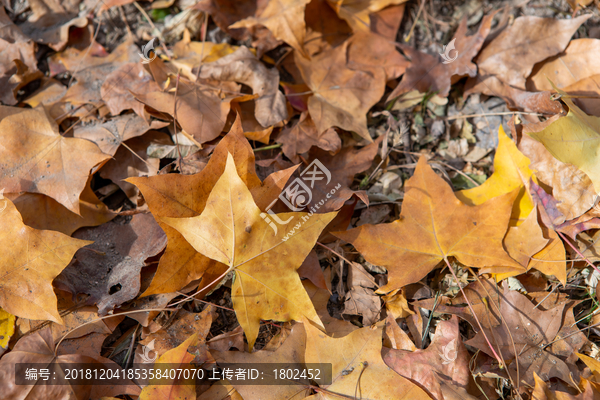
(270,147)
(175,120)
(453,117)
(138,156)
(412,28)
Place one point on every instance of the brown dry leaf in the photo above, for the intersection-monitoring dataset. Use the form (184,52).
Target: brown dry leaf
(509,57)
(226,12)
(253,130)
(221,390)
(43,212)
(528,329)
(368,51)
(291,353)
(361,299)
(394,337)
(91,71)
(50,94)
(243,67)
(31,260)
(578,61)
(131,160)
(357,366)
(109,270)
(324,29)
(39,348)
(201,111)
(446,355)
(311,269)
(37,159)
(432,74)
(120,84)
(110,134)
(179,329)
(303,135)
(341,96)
(357,12)
(434,225)
(51,20)
(284,18)
(233,232)
(182,196)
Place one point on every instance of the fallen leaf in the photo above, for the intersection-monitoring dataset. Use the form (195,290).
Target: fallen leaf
(284,18)
(570,186)
(588,390)
(118,88)
(396,304)
(181,196)
(523,241)
(368,51)
(303,135)
(50,22)
(361,299)
(109,270)
(243,67)
(434,225)
(32,259)
(574,139)
(110,134)
(356,13)
(37,159)
(333,326)
(357,366)
(509,57)
(42,212)
(511,171)
(446,355)
(223,233)
(527,329)
(394,337)
(341,96)
(427,73)
(7,329)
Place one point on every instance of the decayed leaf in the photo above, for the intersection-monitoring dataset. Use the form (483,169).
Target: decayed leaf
(361,299)
(109,269)
(509,57)
(357,366)
(434,225)
(341,96)
(528,328)
(242,66)
(446,355)
(574,139)
(231,230)
(37,159)
(183,196)
(30,261)
(430,74)
(291,353)
(303,135)
(284,18)
(511,171)
(178,388)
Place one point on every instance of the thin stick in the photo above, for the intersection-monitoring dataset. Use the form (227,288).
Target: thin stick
(175,120)
(412,28)
(205,27)
(488,114)
(271,147)
(138,156)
